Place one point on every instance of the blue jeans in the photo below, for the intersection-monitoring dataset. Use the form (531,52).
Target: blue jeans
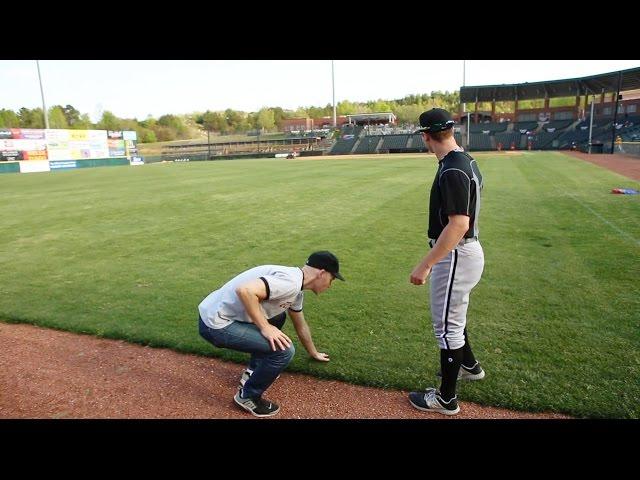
(245,337)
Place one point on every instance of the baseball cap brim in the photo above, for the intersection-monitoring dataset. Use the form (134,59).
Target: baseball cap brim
(436,128)
(338,276)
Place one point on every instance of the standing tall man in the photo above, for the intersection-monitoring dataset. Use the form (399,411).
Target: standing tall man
(247,314)
(455,261)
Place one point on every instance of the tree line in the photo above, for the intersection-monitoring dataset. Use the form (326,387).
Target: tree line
(193,125)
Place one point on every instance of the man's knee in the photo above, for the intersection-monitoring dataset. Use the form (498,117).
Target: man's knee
(285,356)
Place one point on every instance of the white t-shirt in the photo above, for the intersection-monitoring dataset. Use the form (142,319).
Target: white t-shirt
(284,291)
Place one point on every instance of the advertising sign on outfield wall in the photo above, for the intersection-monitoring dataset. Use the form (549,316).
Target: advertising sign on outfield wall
(34,155)
(116,148)
(10,155)
(31,133)
(65,164)
(34,166)
(65,144)
(129,135)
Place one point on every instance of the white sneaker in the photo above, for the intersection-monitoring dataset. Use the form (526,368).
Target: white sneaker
(431,401)
(257,406)
(469,374)
(475,373)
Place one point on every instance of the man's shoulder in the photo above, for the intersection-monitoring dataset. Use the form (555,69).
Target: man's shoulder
(283,272)
(456,158)
(455,161)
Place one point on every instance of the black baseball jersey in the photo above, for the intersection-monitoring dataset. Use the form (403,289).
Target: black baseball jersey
(455,191)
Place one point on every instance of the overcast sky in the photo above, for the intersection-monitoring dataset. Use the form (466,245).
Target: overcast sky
(138,88)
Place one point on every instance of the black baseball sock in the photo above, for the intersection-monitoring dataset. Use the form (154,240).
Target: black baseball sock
(450,361)
(468,360)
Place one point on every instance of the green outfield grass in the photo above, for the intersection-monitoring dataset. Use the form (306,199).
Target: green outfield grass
(129,252)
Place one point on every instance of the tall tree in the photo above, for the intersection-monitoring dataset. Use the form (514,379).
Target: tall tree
(214,122)
(72,115)
(31,118)
(346,108)
(108,121)
(265,120)
(9,119)
(175,123)
(278,115)
(380,106)
(57,118)
(233,119)
(83,123)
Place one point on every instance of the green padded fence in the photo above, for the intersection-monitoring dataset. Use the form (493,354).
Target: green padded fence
(102,162)
(9,167)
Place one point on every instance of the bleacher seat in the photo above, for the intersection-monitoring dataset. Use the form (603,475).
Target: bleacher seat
(480,141)
(507,138)
(368,144)
(487,127)
(394,141)
(557,125)
(524,127)
(343,146)
(543,140)
(418,142)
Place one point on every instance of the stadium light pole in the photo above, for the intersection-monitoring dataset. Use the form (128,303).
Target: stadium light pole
(593,98)
(44,107)
(333,88)
(464,73)
(615,113)
(464,105)
(464,77)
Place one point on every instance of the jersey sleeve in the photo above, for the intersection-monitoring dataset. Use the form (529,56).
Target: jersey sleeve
(455,188)
(296,306)
(279,286)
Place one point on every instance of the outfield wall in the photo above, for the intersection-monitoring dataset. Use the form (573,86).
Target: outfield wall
(9,167)
(629,148)
(33,166)
(17,144)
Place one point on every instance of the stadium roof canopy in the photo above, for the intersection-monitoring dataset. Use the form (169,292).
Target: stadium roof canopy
(595,84)
(383,117)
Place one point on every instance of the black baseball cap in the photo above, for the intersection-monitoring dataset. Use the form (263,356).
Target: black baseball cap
(325,261)
(435,120)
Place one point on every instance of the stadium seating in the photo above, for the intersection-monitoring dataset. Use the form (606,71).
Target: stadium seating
(507,138)
(418,142)
(394,141)
(368,144)
(556,125)
(480,141)
(488,127)
(523,127)
(343,146)
(543,140)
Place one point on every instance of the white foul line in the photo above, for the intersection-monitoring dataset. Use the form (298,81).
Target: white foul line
(604,220)
(621,232)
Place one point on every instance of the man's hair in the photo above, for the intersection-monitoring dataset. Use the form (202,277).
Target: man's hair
(442,135)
